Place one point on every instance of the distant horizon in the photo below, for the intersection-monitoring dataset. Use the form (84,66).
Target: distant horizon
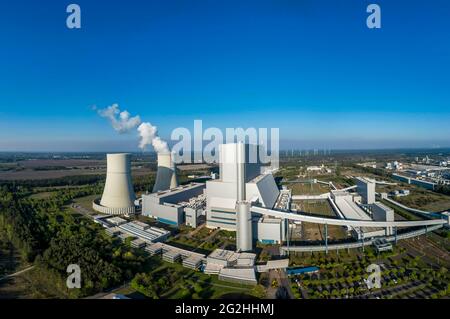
(284,150)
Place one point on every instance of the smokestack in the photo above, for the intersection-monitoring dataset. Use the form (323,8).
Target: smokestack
(166,175)
(244,236)
(118,195)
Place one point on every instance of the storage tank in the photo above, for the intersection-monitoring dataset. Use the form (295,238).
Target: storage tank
(118,195)
(166,176)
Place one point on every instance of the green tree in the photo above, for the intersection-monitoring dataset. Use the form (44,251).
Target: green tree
(259,291)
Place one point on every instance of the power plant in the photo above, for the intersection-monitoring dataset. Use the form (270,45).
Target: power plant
(224,203)
(244,199)
(166,177)
(118,195)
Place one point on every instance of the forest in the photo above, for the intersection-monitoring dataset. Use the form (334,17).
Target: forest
(51,238)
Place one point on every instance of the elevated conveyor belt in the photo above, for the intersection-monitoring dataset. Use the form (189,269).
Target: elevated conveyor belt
(368,242)
(345,222)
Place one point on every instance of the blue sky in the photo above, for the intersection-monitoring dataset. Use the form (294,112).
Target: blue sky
(310,67)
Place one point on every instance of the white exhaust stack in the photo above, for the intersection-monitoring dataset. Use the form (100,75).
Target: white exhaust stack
(118,195)
(244,236)
(166,175)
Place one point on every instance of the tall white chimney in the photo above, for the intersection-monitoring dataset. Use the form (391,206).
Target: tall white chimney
(244,236)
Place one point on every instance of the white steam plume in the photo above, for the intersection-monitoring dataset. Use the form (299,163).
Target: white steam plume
(149,136)
(121,121)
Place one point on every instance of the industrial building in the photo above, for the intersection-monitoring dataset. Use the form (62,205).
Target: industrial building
(232,266)
(118,195)
(144,233)
(221,193)
(241,185)
(381,212)
(173,254)
(414,181)
(351,210)
(225,202)
(366,188)
(268,230)
(170,206)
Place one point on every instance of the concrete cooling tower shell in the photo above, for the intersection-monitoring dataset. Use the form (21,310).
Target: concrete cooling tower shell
(118,195)
(166,176)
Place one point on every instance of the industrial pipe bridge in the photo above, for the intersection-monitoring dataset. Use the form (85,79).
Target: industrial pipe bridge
(430,225)
(346,222)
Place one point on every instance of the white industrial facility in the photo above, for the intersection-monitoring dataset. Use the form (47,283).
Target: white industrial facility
(244,198)
(366,188)
(241,181)
(177,205)
(240,185)
(224,202)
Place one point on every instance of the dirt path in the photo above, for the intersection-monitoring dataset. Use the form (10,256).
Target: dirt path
(16,273)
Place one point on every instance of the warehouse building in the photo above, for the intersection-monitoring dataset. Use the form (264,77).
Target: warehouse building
(232,266)
(350,210)
(269,230)
(173,254)
(142,231)
(169,206)
(381,212)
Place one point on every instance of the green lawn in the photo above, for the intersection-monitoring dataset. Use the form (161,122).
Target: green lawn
(42,195)
(401,213)
(86,201)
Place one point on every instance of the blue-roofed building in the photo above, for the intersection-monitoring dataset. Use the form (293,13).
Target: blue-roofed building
(301,270)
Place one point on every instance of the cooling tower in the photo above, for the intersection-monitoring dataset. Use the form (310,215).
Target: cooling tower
(166,176)
(118,195)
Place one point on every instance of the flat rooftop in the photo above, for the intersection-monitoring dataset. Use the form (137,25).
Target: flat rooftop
(149,235)
(223,254)
(116,220)
(382,206)
(231,256)
(351,210)
(269,220)
(247,275)
(365,179)
(183,252)
(178,189)
(140,224)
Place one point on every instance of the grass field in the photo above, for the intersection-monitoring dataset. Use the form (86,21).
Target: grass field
(400,213)
(42,195)
(32,284)
(419,198)
(313,232)
(86,202)
(315,207)
(308,189)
